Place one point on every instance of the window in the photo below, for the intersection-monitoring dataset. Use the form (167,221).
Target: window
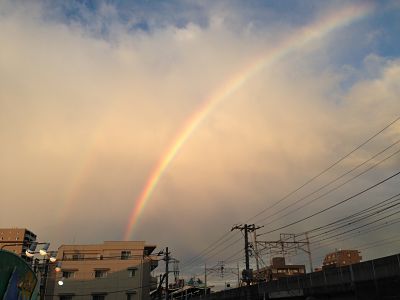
(100,273)
(125,254)
(77,256)
(132,272)
(130,296)
(99,297)
(68,274)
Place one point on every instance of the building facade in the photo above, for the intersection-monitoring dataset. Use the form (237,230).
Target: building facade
(17,240)
(112,270)
(278,269)
(341,258)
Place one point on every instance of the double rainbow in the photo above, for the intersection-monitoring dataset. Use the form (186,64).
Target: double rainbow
(294,42)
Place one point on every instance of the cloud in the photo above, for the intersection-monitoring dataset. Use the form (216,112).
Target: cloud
(89,103)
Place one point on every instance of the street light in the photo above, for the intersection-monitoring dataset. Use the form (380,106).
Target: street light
(43,252)
(53,255)
(61,281)
(58,267)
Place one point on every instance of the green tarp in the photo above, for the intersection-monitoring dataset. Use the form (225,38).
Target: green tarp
(17,280)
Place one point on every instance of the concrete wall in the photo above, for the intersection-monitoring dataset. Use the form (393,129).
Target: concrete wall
(377,279)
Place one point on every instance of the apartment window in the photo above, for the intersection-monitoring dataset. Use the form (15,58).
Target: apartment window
(130,296)
(125,254)
(131,272)
(78,256)
(99,297)
(100,273)
(68,274)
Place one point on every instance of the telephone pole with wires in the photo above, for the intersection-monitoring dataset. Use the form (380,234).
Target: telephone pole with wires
(247,276)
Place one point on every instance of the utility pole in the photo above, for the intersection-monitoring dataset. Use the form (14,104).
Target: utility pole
(246,228)
(166,273)
(205,279)
(246,248)
(256,248)
(309,252)
(238,275)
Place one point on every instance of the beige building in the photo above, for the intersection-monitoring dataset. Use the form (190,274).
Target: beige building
(112,270)
(341,258)
(16,240)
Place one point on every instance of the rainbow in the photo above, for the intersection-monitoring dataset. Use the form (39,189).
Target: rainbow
(294,42)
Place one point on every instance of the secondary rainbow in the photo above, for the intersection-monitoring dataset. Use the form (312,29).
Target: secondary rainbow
(294,42)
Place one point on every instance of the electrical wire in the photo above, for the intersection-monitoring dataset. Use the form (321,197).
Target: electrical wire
(326,185)
(223,240)
(368,209)
(356,217)
(209,250)
(325,170)
(332,206)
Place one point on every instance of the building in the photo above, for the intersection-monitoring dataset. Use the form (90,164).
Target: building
(17,240)
(341,258)
(112,270)
(279,269)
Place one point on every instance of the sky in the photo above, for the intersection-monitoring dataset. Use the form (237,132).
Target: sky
(172,121)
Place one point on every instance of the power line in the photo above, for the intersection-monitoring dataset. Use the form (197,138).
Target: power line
(334,205)
(329,183)
(326,170)
(352,216)
(226,238)
(366,246)
(361,226)
(356,221)
(348,218)
(374,228)
(210,249)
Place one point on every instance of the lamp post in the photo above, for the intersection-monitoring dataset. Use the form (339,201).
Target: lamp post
(43,268)
(32,247)
(48,257)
